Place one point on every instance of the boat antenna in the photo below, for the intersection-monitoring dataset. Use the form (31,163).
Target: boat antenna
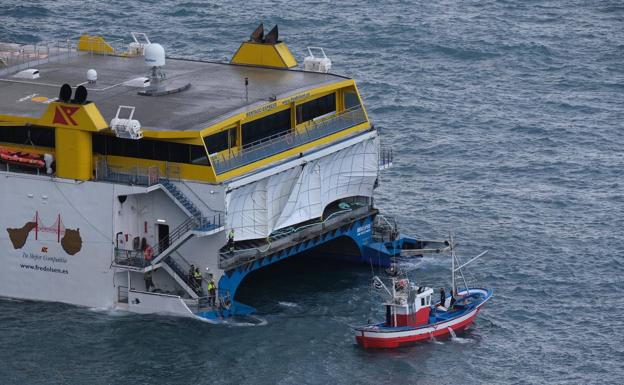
(452,245)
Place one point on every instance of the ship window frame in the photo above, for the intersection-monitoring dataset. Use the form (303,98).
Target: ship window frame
(268,126)
(158,150)
(28,136)
(316,108)
(221,141)
(351,99)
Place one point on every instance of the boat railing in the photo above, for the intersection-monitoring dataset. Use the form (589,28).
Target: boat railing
(229,259)
(181,267)
(386,158)
(287,140)
(22,169)
(384,228)
(16,56)
(222,300)
(139,176)
(131,258)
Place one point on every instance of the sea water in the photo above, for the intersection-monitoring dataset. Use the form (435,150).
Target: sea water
(506,120)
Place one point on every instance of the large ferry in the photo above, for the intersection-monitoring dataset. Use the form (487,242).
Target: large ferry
(137,181)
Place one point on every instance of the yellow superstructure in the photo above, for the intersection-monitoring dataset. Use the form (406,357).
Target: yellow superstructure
(228,147)
(264,54)
(95,44)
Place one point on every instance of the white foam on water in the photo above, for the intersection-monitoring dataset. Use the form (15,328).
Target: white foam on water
(110,311)
(260,322)
(287,304)
(456,339)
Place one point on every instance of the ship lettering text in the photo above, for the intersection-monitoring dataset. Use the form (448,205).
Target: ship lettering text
(259,110)
(363,229)
(48,258)
(294,98)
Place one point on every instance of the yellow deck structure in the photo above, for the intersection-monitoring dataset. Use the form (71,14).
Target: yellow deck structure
(234,119)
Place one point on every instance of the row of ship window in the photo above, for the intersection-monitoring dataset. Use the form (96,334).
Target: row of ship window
(184,153)
(270,125)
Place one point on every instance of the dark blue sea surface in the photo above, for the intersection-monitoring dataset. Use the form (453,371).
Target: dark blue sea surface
(507,123)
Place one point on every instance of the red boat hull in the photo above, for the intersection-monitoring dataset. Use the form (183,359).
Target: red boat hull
(371,338)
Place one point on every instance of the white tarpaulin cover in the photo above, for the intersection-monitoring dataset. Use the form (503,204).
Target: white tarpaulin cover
(302,193)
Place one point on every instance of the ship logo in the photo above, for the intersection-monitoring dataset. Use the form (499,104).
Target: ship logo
(70,239)
(63,115)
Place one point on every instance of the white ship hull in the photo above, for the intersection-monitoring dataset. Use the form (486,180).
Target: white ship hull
(59,238)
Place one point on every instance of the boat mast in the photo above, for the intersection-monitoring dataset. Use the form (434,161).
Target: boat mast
(452,264)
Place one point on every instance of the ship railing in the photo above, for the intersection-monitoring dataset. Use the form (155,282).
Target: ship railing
(130,258)
(172,172)
(185,227)
(223,300)
(287,140)
(386,158)
(138,176)
(384,228)
(197,223)
(229,259)
(181,267)
(15,56)
(23,169)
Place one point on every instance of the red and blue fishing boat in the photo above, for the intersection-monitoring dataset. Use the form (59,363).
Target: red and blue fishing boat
(412,315)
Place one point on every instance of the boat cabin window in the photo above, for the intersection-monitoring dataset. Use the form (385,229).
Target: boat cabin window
(315,108)
(31,136)
(263,128)
(422,301)
(351,99)
(221,141)
(149,149)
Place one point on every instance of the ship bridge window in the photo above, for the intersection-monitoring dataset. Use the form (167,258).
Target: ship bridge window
(315,108)
(351,99)
(221,141)
(32,136)
(149,149)
(265,127)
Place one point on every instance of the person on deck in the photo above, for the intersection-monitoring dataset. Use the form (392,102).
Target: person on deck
(442,296)
(212,292)
(191,276)
(453,294)
(148,280)
(198,280)
(230,241)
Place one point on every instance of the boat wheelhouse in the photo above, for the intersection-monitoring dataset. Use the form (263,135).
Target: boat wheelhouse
(152,161)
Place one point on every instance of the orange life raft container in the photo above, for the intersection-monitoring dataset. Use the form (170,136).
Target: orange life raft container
(21,158)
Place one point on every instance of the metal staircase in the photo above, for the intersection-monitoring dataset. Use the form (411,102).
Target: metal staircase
(197,223)
(202,222)
(181,276)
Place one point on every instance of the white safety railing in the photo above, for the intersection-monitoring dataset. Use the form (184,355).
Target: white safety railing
(286,140)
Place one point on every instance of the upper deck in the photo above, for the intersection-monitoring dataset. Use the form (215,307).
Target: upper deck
(224,120)
(217,89)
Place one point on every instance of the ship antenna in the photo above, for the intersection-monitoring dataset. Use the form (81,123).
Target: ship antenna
(246,89)
(453,287)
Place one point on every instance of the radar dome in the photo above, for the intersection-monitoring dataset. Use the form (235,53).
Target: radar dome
(154,55)
(91,75)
